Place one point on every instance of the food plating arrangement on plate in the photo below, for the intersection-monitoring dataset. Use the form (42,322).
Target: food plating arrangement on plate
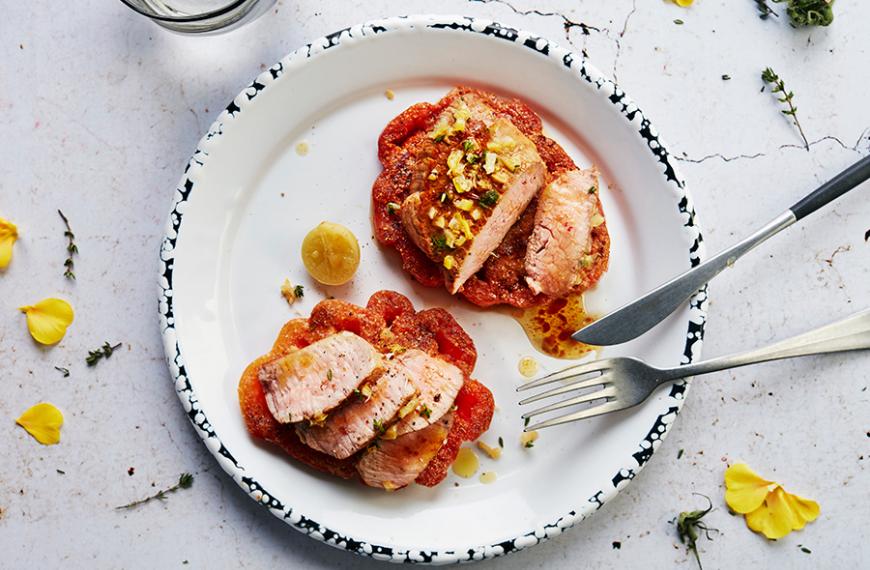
(427,240)
(496,213)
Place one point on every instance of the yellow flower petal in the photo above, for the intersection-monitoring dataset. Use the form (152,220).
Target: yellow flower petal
(805,510)
(745,490)
(8,235)
(683,3)
(43,422)
(48,320)
(782,513)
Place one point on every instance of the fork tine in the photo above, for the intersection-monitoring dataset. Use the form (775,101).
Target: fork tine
(591,412)
(588,383)
(575,370)
(608,392)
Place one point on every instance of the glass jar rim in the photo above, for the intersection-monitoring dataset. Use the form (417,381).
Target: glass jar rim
(195,18)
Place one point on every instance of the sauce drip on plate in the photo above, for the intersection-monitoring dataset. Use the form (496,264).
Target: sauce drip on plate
(549,326)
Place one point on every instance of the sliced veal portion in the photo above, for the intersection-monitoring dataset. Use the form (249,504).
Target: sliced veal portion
(437,382)
(478,175)
(363,417)
(311,381)
(560,246)
(393,464)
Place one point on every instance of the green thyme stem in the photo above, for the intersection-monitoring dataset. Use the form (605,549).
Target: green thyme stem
(105,351)
(778,87)
(185,481)
(71,248)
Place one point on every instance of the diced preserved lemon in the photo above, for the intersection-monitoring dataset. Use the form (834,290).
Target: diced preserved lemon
(501,176)
(449,262)
(440,222)
(391,433)
(528,439)
(464,226)
(492,452)
(501,144)
(476,214)
(450,239)
(462,184)
(330,253)
(454,160)
(510,162)
(464,204)
(489,159)
(597,220)
(408,408)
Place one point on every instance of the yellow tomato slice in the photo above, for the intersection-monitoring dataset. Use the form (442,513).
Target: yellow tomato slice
(330,253)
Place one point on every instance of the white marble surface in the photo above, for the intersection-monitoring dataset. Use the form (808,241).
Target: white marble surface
(100,111)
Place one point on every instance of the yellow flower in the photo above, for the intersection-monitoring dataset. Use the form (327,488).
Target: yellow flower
(43,422)
(48,319)
(683,3)
(8,235)
(767,507)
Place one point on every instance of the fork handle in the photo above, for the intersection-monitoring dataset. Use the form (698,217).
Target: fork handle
(852,333)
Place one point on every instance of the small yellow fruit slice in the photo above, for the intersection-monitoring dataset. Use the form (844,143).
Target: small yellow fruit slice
(330,253)
(48,319)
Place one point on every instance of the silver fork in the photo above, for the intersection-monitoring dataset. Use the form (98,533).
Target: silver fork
(620,383)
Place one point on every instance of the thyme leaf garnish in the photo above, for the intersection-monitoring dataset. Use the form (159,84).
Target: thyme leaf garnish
(106,351)
(71,249)
(787,97)
(62,370)
(185,481)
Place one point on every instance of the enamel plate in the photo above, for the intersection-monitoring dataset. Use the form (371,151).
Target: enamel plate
(249,196)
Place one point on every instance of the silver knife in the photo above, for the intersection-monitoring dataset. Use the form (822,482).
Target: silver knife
(637,317)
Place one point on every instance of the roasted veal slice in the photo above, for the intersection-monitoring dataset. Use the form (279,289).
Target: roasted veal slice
(480,175)
(366,415)
(559,249)
(396,463)
(309,382)
(437,383)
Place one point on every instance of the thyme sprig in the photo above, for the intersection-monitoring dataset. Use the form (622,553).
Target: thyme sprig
(71,249)
(688,525)
(185,481)
(62,370)
(787,97)
(104,351)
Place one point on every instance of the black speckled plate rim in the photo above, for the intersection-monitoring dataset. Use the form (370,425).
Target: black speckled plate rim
(583,71)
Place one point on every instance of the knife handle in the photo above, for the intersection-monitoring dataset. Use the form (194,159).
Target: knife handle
(833,189)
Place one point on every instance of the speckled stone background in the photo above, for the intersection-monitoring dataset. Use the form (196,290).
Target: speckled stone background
(99,112)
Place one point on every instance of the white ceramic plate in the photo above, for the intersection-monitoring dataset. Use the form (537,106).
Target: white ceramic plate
(247,199)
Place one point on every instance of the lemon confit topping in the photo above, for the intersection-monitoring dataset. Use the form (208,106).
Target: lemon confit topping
(767,507)
(8,235)
(43,422)
(48,320)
